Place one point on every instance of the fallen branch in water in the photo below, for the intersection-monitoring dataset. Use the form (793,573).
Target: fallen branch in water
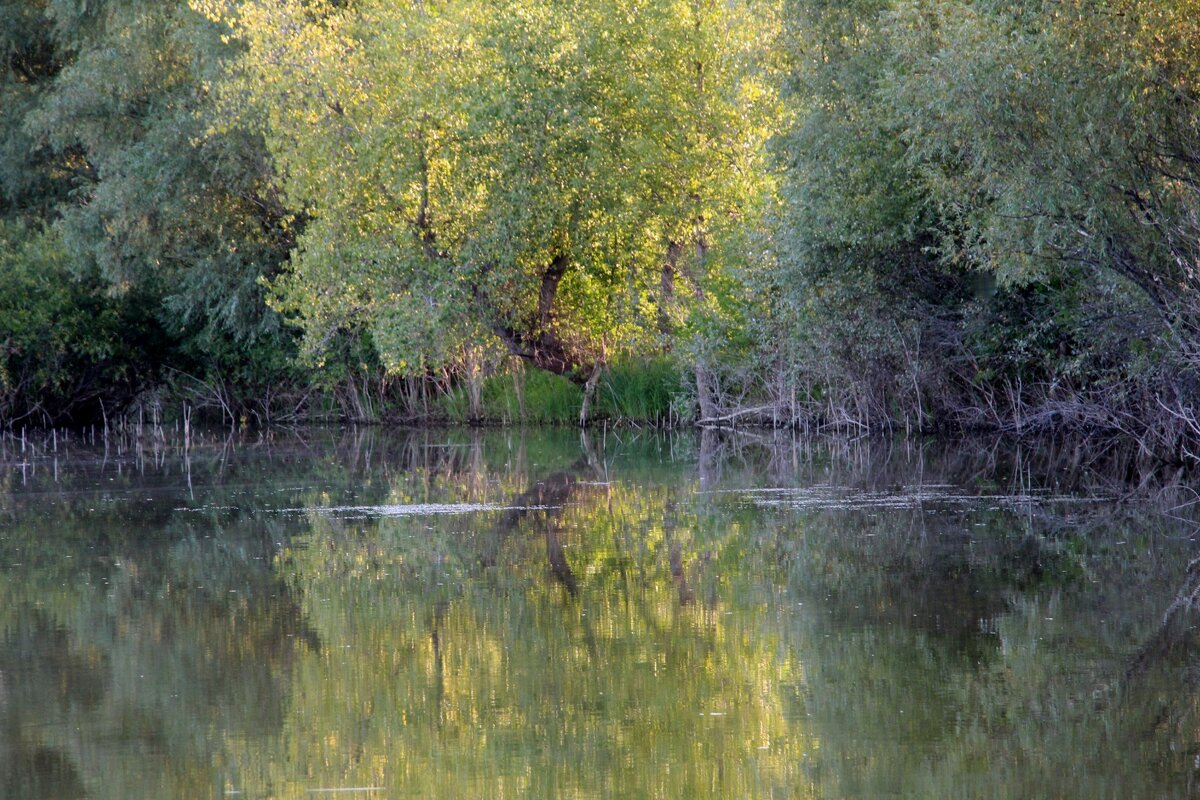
(734,415)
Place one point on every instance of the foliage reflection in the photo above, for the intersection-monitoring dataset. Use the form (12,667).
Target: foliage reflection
(652,617)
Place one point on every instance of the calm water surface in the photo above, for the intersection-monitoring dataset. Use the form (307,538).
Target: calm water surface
(536,615)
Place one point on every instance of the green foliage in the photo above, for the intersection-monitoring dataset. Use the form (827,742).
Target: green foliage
(31,179)
(863,212)
(64,345)
(1055,134)
(106,106)
(195,217)
(548,399)
(1009,190)
(641,391)
(644,390)
(518,172)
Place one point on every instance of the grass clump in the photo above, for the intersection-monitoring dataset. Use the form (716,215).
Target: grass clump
(650,390)
(642,391)
(549,400)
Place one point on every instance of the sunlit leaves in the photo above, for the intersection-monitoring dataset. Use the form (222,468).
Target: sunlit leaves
(449,153)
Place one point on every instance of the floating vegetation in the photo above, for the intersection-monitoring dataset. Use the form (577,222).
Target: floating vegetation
(827,497)
(409,510)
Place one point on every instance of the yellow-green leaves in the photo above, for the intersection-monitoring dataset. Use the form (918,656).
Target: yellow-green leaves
(455,157)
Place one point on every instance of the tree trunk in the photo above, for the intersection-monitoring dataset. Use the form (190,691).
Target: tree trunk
(666,289)
(474,385)
(705,391)
(589,391)
(518,373)
(534,338)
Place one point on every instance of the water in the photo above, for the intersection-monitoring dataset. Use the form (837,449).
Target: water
(508,615)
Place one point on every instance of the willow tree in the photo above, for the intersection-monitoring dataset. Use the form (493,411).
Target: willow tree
(103,145)
(527,174)
(1010,189)
(1060,146)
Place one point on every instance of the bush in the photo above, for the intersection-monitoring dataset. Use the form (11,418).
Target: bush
(66,346)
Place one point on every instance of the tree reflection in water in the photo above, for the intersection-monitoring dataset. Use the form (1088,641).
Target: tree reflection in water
(642,619)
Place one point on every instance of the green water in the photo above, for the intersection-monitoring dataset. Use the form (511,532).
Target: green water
(508,615)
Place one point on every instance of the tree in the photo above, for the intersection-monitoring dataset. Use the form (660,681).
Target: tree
(65,346)
(106,143)
(528,173)
(32,178)
(860,285)
(1055,135)
(1010,190)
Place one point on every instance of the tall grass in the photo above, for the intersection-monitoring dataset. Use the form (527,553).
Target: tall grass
(549,400)
(643,391)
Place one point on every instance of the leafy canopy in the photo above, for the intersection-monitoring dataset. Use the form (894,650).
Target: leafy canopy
(509,170)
